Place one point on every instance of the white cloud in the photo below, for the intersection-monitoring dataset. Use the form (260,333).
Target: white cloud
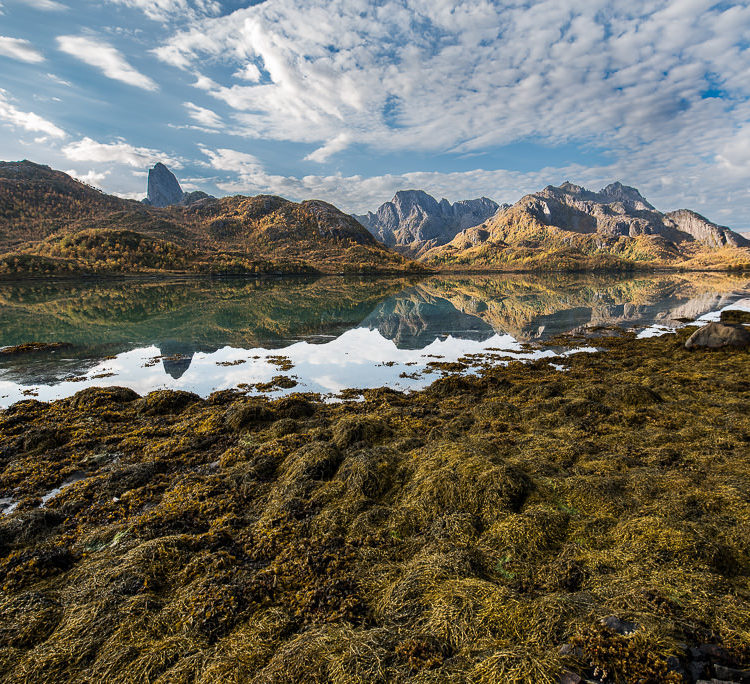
(161,10)
(735,155)
(46,5)
(232,160)
(106,58)
(203,116)
(204,83)
(59,81)
(359,194)
(95,178)
(337,144)
(249,72)
(22,50)
(439,76)
(120,152)
(28,121)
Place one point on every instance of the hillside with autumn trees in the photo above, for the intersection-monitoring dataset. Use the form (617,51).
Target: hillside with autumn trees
(52,224)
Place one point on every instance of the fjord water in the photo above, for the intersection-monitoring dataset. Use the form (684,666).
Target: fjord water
(325,334)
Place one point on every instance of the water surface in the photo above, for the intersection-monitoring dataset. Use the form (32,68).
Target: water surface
(325,334)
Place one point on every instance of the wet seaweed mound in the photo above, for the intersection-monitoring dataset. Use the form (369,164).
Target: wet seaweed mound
(514,526)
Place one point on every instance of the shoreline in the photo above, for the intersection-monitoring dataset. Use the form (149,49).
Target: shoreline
(177,276)
(479,528)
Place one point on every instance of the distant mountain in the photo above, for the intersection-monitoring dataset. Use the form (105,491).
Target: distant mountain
(164,189)
(413,221)
(51,223)
(569,226)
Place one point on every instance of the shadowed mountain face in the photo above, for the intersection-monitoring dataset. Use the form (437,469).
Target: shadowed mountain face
(163,187)
(414,221)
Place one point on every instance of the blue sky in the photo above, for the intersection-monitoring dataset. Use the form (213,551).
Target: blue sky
(351,100)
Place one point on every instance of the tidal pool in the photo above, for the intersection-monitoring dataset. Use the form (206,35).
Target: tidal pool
(321,335)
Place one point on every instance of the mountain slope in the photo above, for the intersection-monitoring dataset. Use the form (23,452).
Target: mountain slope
(413,221)
(51,223)
(569,227)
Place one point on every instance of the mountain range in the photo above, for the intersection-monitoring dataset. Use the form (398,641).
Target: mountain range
(52,224)
(413,221)
(570,225)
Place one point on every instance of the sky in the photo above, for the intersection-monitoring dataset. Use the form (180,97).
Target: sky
(351,100)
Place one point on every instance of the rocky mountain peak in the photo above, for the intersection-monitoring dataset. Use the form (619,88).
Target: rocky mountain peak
(405,201)
(571,188)
(617,192)
(163,187)
(414,220)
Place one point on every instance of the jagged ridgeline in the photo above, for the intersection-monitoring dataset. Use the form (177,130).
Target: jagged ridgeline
(569,227)
(51,223)
(414,222)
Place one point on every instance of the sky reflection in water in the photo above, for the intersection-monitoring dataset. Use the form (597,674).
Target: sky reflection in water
(336,333)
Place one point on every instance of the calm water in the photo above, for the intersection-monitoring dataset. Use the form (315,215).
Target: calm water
(326,334)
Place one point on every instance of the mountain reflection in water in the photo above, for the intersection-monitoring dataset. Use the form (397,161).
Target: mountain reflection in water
(208,334)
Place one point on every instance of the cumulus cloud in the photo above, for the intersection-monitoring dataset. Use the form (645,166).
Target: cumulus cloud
(359,194)
(27,121)
(119,152)
(203,116)
(636,80)
(22,50)
(444,76)
(249,72)
(106,58)
(95,178)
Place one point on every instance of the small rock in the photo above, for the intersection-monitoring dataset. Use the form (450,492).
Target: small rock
(731,674)
(674,665)
(719,335)
(712,650)
(620,626)
(697,669)
(570,678)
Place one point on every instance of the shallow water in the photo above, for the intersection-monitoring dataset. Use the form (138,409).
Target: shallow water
(326,334)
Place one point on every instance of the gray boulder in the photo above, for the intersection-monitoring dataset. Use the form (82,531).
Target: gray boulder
(718,335)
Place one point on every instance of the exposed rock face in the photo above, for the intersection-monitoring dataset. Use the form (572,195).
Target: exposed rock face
(413,218)
(163,187)
(704,231)
(593,220)
(164,190)
(717,335)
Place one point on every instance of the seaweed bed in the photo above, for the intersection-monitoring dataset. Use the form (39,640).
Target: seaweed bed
(493,528)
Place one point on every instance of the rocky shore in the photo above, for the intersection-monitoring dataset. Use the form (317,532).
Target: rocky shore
(527,524)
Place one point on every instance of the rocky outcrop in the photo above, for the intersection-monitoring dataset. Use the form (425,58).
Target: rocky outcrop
(413,219)
(570,217)
(621,211)
(163,188)
(703,230)
(718,335)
